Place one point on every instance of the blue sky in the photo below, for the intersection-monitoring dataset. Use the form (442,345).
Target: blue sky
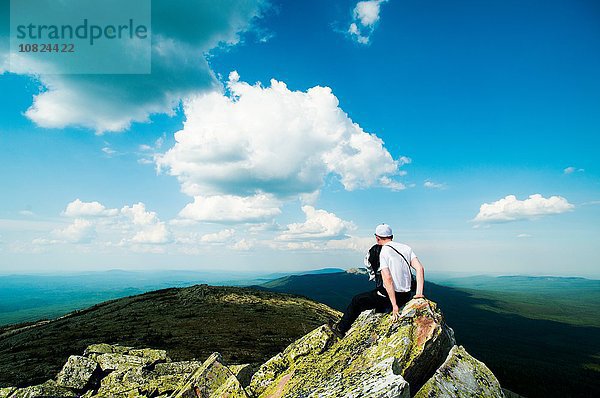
(470,127)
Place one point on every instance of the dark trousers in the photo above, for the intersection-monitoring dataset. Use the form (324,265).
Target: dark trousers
(368,301)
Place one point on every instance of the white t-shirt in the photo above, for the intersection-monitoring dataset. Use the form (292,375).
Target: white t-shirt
(398,268)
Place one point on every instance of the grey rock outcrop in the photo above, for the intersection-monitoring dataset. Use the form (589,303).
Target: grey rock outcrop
(77,373)
(414,356)
(47,389)
(460,376)
(7,391)
(376,358)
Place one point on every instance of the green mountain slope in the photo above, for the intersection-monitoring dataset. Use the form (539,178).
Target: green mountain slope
(244,325)
(533,357)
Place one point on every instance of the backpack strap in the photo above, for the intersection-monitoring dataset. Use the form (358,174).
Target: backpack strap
(392,247)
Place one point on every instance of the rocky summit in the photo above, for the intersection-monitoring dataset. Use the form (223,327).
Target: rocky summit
(415,356)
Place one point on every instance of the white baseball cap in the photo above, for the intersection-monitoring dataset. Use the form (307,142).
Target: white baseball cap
(383,230)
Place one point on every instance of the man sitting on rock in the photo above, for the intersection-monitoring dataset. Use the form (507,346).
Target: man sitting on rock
(395,260)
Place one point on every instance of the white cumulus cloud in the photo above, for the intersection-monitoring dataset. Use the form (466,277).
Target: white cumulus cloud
(260,145)
(365,16)
(153,234)
(319,224)
(182,33)
(149,229)
(231,208)
(80,231)
(243,245)
(355,243)
(512,209)
(139,215)
(218,237)
(78,208)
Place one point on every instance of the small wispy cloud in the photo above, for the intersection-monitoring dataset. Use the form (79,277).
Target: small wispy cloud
(571,170)
(364,19)
(524,236)
(433,185)
(147,152)
(156,146)
(109,151)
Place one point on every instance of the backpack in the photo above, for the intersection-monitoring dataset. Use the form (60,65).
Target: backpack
(373,267)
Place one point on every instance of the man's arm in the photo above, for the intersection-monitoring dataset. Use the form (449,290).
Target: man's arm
(388,283)
(416,264)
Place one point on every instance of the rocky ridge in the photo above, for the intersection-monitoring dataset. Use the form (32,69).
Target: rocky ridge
(414,356)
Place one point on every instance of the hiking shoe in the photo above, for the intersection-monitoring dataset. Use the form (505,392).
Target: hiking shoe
(335,329)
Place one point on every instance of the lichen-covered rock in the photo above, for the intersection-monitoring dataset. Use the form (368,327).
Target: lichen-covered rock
(6,391)
(430,342)
(104,348)
(168,377)
(171,368)
(165,384)
(77,373)
(110,362)
(244,373)
(140,382)
(314,342)
(48,389)
(268,373)
(151,356)
(377,358)
(213,379)
(460,376)
(122,383)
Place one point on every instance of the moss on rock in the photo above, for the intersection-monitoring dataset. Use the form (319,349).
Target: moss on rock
(6,391)
(172,368)
(77,373)
(374,358)
(47,389)
(212,379)
(461,376)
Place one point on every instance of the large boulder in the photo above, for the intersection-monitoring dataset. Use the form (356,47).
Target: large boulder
(461,376)
(78,373)
(6,391)
(213,379)
(123,383)
(173,368)
(94,350)
(45,390)
(377,358)
(110,362)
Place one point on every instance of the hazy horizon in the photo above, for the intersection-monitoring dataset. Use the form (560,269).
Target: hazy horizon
(430,276)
